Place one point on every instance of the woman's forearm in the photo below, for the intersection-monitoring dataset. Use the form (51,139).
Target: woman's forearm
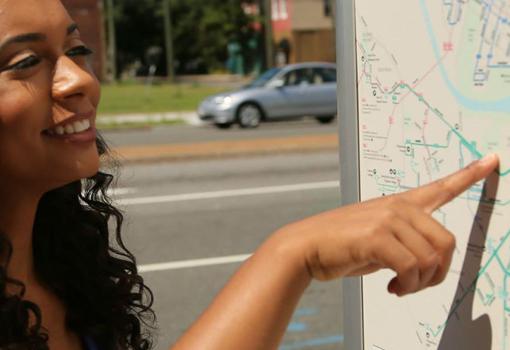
(253,309)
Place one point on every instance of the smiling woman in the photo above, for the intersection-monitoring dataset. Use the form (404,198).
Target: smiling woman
(65,286)
(61,284)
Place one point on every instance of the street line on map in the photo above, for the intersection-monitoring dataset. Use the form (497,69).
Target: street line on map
(186,264)
(230,193)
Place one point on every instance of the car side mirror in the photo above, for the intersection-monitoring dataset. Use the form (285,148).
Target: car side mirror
(277,84)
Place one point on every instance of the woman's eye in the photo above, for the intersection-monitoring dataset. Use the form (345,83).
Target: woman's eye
(25,63)
(79,51)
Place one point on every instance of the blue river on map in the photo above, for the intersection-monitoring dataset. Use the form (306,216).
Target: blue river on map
(467,102)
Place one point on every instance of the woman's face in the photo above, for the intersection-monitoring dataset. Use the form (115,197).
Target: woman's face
(48,97)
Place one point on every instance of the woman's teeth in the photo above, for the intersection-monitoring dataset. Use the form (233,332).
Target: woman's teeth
(72,128)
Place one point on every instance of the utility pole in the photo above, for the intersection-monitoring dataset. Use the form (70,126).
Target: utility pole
(112,42)
(104,44)
(169,40)
(332,4)
(268,32)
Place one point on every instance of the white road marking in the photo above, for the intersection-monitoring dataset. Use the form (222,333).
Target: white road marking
(229,193)
(185,264)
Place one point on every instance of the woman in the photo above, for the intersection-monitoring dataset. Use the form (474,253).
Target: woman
(63,285)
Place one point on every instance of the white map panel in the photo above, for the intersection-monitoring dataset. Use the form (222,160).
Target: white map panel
(434,95)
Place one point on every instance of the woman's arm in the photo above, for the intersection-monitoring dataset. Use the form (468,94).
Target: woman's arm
(253,309)
(396,232)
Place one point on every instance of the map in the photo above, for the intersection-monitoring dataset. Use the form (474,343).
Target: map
(434,95)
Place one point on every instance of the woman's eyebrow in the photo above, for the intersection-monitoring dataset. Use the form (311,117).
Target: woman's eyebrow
(22,38)
(33,37)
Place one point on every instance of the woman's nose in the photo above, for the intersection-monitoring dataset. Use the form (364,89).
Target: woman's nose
(72,81)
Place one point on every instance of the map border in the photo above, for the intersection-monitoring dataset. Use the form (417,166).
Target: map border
(349,157)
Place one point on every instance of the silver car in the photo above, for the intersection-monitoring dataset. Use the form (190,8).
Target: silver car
(297,90)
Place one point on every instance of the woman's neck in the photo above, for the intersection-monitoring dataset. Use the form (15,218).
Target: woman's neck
(17,223)
(17,216)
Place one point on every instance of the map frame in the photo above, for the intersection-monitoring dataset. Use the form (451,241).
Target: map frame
(355,307)
(349,157)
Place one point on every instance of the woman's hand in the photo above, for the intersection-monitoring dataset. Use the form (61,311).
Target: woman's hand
(395,232)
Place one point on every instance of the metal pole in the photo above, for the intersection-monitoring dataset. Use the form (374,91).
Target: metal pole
(104,44)
(112,42)
(168,40)
(333,13)
(268,32)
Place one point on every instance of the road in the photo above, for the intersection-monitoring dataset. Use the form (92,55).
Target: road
(188,211)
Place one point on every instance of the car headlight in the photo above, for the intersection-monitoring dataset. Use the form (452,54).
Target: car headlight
(223,100)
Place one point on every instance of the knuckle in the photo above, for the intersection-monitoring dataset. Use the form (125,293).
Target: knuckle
(449,241)
(377,236)
(430,262)
(438,278)
(445,187)
(387,216)
(410,266)
(471,169)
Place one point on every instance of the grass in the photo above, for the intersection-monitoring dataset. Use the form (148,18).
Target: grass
(128,98)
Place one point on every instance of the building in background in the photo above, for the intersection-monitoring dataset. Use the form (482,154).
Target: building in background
(88,14)
(303,30)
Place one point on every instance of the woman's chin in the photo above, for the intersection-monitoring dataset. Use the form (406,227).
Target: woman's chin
(80,169)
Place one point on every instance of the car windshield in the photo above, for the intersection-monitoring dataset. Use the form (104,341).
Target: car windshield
(264,78)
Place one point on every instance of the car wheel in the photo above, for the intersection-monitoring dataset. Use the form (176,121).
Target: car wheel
(249,115)
(326,120)
(223,125)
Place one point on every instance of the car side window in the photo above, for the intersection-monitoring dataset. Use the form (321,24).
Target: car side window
(290,78)
(297,77)
(324,75)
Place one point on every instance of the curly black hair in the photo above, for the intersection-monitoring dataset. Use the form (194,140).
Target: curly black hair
(97,280)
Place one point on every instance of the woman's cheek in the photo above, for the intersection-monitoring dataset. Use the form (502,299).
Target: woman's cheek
(20,101)
(96,92)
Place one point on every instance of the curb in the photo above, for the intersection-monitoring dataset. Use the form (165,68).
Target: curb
(226,149)
(188,117)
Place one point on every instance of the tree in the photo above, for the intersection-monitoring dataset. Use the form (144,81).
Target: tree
(202,30)
(138,28)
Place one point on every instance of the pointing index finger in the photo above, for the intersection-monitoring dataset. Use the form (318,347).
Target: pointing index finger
(436,194)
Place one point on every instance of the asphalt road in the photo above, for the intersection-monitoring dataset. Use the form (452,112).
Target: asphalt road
(188,211)
(206,133)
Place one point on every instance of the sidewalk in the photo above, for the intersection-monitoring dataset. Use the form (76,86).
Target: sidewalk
(216,149)
(188,117)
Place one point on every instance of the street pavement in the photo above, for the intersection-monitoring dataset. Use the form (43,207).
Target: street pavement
(185,142)
(209,133)
(180,213)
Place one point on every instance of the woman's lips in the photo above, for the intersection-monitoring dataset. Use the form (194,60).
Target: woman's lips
(78,128)
(85,136)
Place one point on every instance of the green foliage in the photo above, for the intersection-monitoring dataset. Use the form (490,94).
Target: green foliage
(139,25)
(202,30)
(133,97)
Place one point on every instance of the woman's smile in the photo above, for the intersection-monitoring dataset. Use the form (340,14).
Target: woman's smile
(77,128)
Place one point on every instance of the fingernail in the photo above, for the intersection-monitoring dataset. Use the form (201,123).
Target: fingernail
(488,159)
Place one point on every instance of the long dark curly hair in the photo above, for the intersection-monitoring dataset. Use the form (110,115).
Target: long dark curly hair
(94,274)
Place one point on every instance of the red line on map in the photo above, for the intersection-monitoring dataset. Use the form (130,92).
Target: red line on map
(425,75)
